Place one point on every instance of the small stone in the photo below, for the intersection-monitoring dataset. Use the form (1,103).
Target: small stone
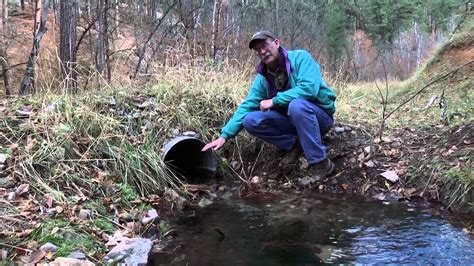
(390,176)
(386,139)
(51,212)
(255,180)
(130,252)
(367,149)
(62,261)
(369,164)
(77,255)
(204,202)
(212,196)
(11,196)
(304,165)
(126,217)
(152,213)
(395,144)
(84,214)
(147,220)
(306,181)
(6,182)
(112,101)
(49,247)
(339,129)
(347,128)
(3,158)
(3,254)
(175,132)
(222,188)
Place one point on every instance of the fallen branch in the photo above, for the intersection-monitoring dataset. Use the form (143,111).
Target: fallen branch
(426,86)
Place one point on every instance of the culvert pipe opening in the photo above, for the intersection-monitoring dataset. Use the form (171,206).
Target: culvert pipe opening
(184,157)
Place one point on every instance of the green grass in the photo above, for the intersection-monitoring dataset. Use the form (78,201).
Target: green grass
(67,237)
(460,185)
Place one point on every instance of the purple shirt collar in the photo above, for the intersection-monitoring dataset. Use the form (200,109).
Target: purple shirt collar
(283,63)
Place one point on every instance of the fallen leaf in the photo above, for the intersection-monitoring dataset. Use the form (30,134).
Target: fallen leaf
(59,209)
(34,257)
(3,254)
(345,186)
(48,200)
(22,189)
(450,151)
(30,143)
(390,176)
(409,192)
(54,230)
(24,233)
(369,164)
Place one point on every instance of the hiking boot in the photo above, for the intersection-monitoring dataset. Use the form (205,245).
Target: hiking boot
(318,171)
(322,169)
(293,155)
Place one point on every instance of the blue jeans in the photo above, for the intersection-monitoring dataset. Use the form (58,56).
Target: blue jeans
(304,121)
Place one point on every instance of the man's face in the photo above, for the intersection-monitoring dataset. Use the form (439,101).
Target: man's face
(267,51)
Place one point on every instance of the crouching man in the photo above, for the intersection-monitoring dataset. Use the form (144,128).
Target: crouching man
(288,105)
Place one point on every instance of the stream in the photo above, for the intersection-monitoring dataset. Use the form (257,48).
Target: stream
(311,230)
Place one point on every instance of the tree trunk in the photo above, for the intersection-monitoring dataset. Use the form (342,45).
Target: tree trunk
(41,11)
(22,3)
(3,51)
(141,50)
(196,25)
(4,12)
(215,28)
(154,9)
(67,44)
(101,38)
(5,72)
(106,41)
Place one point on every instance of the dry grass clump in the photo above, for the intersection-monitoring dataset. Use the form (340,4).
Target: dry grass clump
(67,145)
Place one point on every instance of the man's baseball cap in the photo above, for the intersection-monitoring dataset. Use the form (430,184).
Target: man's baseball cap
(261,35)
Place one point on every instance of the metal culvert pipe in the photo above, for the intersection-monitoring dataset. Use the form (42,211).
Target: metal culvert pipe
(184,157)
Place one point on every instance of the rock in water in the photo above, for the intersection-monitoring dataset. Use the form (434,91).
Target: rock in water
(133,251)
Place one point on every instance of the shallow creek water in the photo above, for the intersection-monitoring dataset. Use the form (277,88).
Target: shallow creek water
(303,230)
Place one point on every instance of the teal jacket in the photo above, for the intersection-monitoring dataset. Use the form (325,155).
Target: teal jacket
(305,82)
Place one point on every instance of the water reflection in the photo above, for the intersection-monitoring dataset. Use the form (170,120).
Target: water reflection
(316,230)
